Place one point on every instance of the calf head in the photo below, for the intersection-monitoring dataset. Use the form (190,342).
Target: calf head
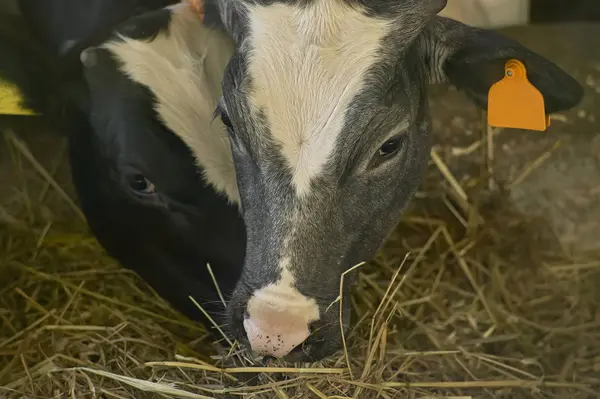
(151,165)
(326,107)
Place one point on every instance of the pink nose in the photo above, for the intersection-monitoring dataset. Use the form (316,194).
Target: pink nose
(275,333)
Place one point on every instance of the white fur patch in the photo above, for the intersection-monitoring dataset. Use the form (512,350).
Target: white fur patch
(184,70)
(307,64)
(282,296)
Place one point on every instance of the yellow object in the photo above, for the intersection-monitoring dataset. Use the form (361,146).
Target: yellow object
(11,100)
(514,102)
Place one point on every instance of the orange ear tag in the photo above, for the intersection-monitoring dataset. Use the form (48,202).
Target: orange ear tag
(514,102)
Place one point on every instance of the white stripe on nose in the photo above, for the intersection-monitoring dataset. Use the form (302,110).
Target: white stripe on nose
(279,317)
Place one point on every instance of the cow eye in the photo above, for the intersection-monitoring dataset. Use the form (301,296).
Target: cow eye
(222,111)
(226,120)
(390,147)
(141,185)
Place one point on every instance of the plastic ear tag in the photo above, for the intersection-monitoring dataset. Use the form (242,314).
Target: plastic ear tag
(11,100)
(514,102)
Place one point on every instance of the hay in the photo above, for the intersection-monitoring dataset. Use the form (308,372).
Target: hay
(450,308)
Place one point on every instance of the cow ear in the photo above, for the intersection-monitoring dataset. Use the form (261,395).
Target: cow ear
(473,60)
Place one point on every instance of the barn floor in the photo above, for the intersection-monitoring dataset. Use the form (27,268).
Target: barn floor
(508,309)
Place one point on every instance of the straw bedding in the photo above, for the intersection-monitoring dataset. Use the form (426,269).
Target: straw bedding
(450,308)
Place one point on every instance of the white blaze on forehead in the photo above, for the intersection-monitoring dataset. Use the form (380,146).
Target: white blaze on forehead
(184,69)
(306,66)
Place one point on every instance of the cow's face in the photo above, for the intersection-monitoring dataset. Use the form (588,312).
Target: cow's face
(151,164)
(326,107)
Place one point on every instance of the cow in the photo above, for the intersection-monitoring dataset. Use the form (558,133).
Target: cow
(325,103)
(162,207)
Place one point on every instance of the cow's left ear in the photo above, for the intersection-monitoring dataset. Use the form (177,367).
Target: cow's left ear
(473,60)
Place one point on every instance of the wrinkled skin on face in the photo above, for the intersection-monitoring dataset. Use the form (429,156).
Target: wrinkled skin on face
(326,107)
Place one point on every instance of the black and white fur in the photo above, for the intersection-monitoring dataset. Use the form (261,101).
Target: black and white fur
(153,90)
(325,103)
(136,125)
(326,107)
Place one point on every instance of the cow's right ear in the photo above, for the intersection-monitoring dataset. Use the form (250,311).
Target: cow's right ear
(473,59)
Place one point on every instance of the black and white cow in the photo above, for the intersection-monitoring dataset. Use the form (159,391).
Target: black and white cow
(326,107)
(325,103)
(155,176)
(161,206)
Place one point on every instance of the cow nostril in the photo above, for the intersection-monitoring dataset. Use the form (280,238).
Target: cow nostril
(298,349)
